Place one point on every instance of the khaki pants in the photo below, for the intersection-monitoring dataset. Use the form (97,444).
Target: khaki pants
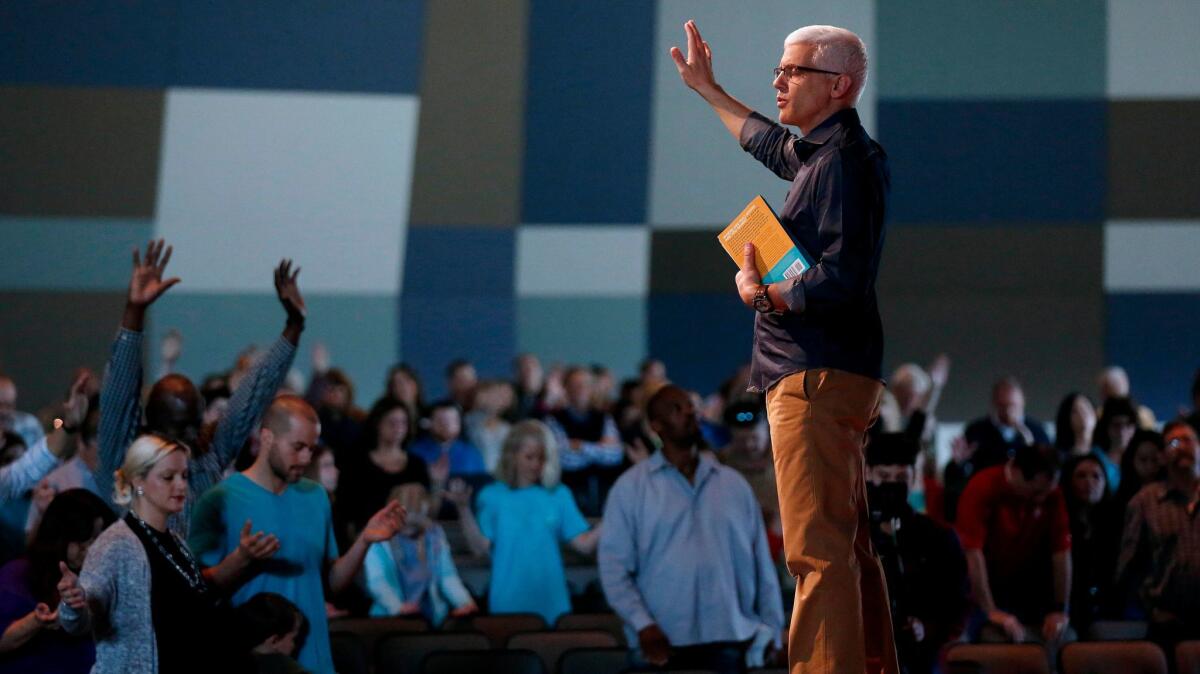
(841,622)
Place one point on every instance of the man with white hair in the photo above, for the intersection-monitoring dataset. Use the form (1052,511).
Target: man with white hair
(818,338)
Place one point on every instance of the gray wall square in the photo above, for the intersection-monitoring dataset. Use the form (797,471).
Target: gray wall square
(471,138)
(80,152)
(49,334)
(1019,300)
(1152,149)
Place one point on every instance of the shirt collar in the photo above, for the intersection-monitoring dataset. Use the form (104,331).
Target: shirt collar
(831,125)
(703,468)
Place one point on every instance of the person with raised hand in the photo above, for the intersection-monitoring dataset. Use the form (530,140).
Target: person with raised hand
(175,407)
(21,475)
(818,336)
(141,592)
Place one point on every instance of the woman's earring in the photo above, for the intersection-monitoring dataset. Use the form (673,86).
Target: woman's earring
(139,491)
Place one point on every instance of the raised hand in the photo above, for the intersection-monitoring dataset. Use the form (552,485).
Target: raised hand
(256,546)
(69,590)
(289,292)
(696,68)
(146,283)
(75,407)
(748,279)
(385,523)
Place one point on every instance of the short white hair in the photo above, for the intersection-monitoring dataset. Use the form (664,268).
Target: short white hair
(836,49)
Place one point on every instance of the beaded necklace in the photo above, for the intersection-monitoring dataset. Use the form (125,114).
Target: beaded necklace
(192,574)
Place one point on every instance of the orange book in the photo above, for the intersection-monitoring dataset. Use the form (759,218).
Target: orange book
(775,255)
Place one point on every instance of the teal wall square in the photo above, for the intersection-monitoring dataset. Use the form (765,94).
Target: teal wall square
(610,331)
(991,49)
(69,253)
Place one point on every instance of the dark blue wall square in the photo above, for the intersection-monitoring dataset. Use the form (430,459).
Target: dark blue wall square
(588,111)
(996,161)
(436,330)
(459,260)
(702,338)
(127,43)
(1153,336)
(366,46)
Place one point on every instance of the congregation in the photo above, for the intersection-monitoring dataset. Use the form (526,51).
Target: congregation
(178,526)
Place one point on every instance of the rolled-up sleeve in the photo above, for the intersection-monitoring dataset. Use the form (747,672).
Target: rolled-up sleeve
(771,144)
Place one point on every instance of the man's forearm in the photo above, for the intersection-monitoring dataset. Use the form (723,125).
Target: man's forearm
(134,317)
(1062,580)
(344,568)
(292,331)
(731,111)
(977,571)
(227,574)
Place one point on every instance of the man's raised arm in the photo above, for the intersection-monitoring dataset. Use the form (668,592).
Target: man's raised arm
(120,406)
(696,72)
(258,388)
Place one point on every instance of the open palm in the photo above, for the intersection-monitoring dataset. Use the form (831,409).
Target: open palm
(146,283)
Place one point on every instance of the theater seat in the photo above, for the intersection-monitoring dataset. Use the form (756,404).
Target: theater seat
(1187,657)
(483,662)
(371,629)
(404,653)
(550,645)
(593,661)
(1117,630)
(998,659)
(500,626)
(349,653)
(1112,657)
(608,622)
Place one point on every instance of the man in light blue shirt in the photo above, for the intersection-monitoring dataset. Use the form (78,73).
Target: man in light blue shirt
(683,554)
(300,555)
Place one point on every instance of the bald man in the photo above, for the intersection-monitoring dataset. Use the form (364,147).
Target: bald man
(818,339)
(273,495)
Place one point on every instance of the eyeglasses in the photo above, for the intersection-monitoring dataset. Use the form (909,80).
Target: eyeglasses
(793,71)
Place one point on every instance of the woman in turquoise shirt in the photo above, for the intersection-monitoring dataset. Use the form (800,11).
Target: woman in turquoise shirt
(523,518)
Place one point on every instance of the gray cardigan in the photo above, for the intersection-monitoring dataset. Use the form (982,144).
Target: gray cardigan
(116,579)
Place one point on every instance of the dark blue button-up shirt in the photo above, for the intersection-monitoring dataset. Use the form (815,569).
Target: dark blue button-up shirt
(834,211)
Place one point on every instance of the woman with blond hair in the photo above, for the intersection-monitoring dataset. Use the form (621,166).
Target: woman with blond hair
(523,517)
(140,591)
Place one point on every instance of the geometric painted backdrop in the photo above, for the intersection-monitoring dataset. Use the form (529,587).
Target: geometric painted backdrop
(484,177)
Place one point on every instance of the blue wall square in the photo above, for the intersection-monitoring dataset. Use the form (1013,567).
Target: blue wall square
(435,330)
(587,119)
(364,46)
(128,43)
(1153,336)
(702,338)
(458,260)
(991,161)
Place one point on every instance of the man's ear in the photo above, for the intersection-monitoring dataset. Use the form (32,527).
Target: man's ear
(266,437)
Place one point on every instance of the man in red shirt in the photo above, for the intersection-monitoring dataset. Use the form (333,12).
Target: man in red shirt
(1013,524)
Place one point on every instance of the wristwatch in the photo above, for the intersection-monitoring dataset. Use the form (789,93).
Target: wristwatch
(762,301)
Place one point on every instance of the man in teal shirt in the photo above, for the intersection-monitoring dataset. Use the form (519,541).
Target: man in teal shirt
(301,553)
